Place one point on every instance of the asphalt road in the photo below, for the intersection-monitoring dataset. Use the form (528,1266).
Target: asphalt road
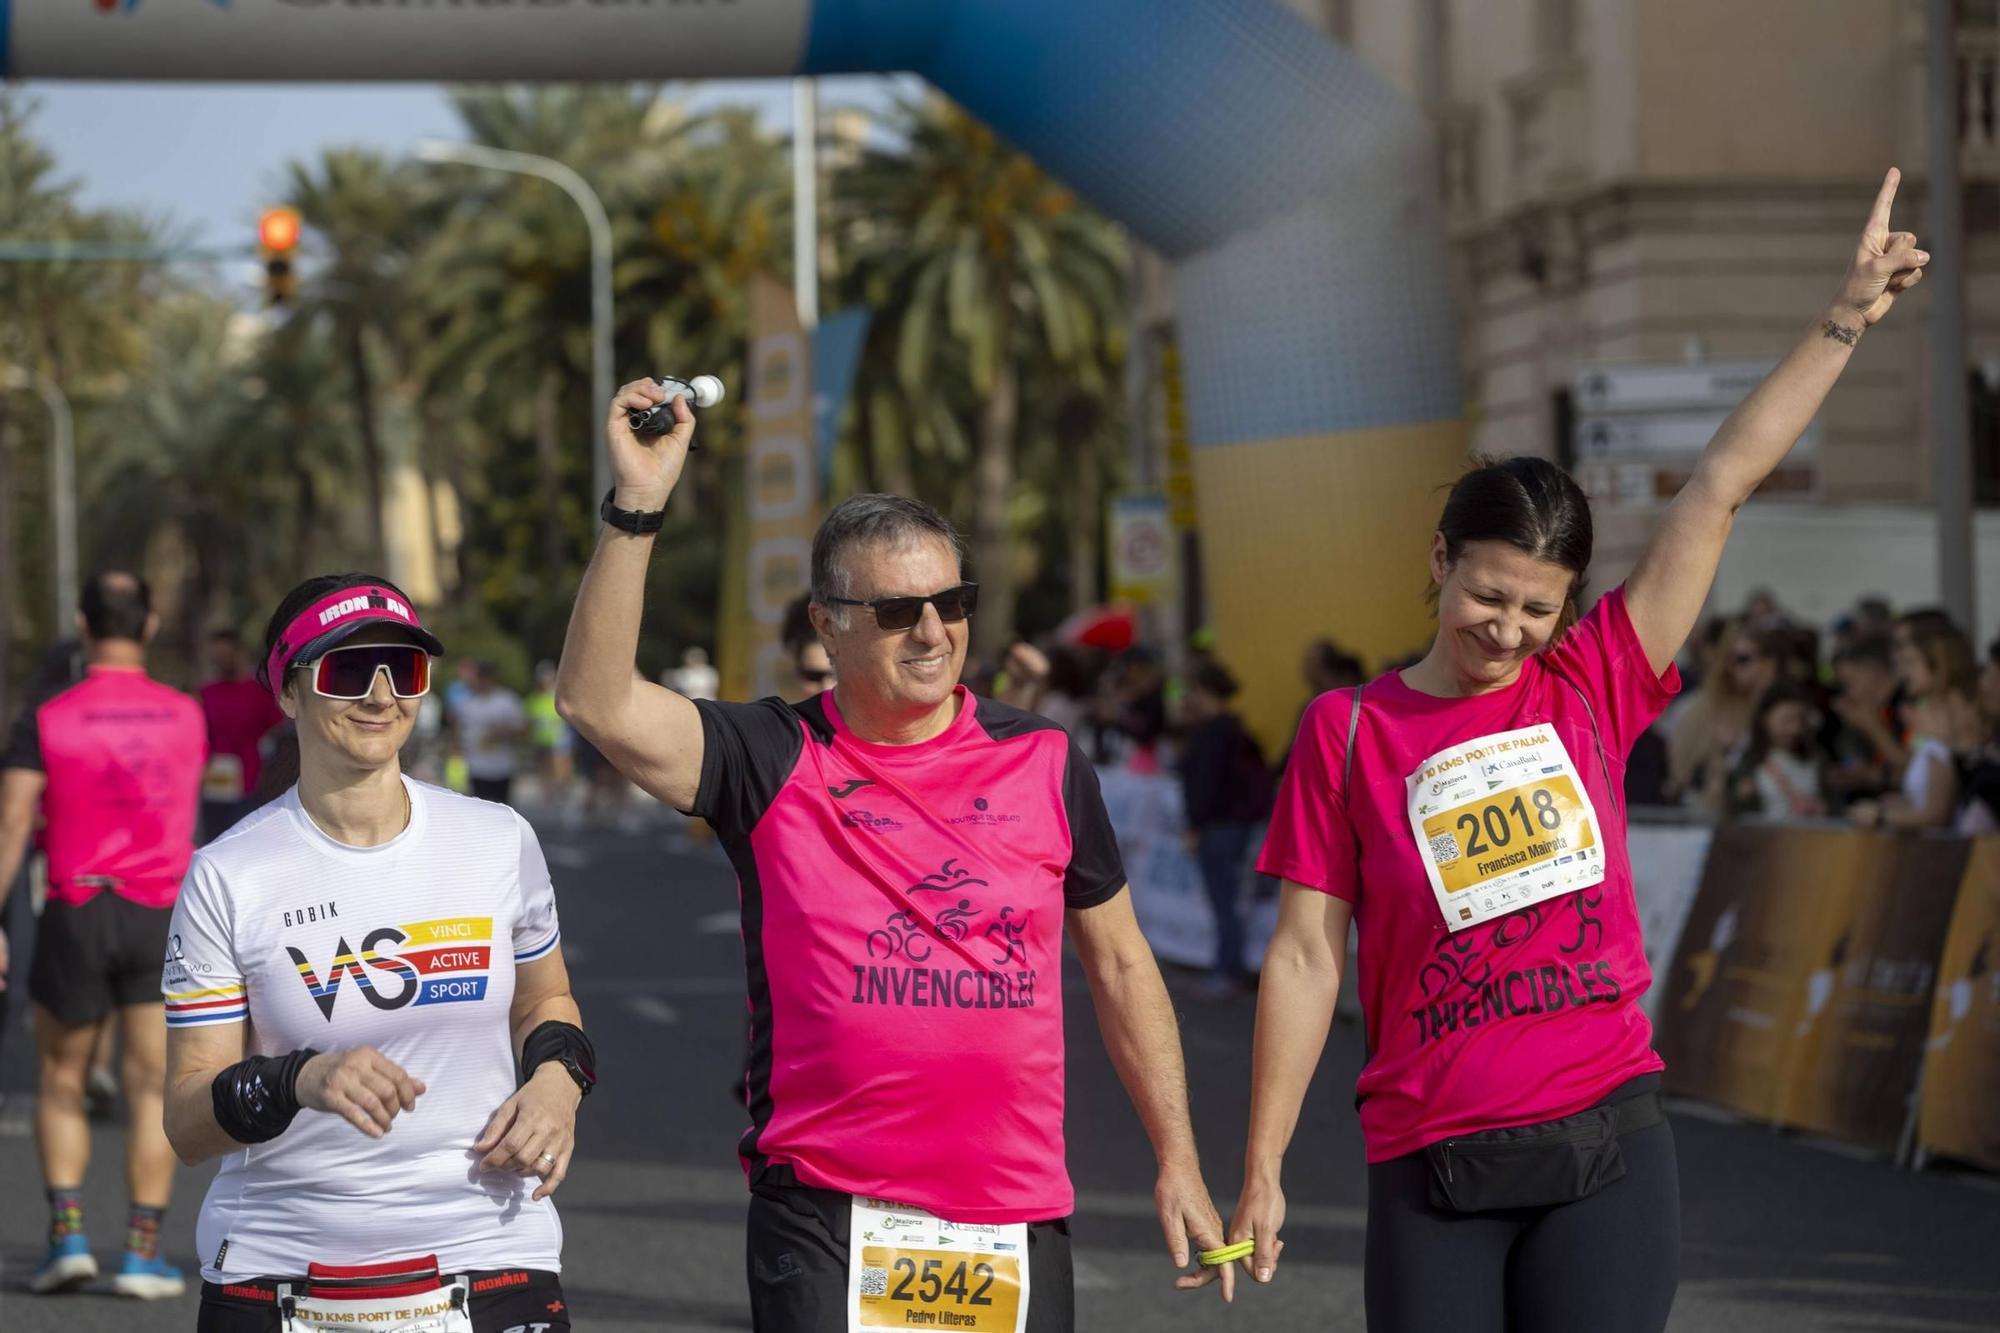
(1781,1235)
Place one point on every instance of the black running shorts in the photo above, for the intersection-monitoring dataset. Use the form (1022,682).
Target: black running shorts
(105,954)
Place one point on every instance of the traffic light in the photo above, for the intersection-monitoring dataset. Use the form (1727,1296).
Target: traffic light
(277,242)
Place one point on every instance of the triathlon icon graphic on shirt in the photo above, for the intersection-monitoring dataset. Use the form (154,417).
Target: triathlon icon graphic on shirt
(949,877)
(440,962)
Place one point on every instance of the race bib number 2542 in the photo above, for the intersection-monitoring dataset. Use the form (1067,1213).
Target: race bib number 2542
(1503,822)
(909,1269)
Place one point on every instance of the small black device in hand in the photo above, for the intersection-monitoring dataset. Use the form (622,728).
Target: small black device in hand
(701,391)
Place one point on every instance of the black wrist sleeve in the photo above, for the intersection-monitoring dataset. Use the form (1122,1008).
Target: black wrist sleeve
(256,1099)
(566,1044)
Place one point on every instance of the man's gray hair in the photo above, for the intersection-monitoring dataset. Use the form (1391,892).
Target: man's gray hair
(868,520)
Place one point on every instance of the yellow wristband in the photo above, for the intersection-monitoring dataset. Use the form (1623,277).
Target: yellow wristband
(1228,1254)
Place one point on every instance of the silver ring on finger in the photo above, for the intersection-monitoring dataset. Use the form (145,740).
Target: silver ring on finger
(548,1159)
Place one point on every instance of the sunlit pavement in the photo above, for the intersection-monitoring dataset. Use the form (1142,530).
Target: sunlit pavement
(1780,1234)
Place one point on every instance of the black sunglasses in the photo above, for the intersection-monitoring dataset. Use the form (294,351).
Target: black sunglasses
(896,613)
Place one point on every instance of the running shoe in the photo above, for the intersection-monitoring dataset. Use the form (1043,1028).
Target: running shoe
(70,1265)
(147,1279)
(100,1094)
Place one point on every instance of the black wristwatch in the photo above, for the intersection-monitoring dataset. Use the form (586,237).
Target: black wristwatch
(639,522)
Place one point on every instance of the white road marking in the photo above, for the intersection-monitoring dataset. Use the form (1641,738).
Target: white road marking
(653,1009)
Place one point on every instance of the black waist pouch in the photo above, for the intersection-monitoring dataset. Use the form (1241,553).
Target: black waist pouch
(1534,1166)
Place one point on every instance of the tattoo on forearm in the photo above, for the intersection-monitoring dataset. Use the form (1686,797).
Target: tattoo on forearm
(1840,333)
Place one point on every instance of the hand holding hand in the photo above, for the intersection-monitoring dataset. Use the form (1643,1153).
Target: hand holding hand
(1260,1213)
(1187,1214)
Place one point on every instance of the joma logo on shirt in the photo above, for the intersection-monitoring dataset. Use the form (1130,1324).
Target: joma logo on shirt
(458,949)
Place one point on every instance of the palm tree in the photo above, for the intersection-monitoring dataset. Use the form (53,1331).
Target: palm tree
(76,322)
(371,216)
(981,268)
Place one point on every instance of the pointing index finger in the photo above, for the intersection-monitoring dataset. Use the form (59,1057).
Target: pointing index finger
(1878,219)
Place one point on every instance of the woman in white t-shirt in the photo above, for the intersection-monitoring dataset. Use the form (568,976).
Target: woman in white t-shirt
(353,971)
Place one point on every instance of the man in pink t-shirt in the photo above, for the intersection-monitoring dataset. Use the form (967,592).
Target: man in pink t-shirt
(912,858)
(239,713)
(113,767)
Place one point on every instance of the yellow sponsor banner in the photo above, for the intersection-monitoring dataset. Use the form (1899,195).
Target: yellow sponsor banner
(1959,1111)
(1180,448)
(448,930)
(768,552)
(1319,536)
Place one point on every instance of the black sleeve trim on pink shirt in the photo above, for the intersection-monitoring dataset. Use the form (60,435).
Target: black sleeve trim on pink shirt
(748,751)
(24,740)
(1095,872)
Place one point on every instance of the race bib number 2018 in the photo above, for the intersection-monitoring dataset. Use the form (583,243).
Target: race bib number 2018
(1503,822)
(909,1269)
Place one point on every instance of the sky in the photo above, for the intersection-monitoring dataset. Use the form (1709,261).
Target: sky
(210,157)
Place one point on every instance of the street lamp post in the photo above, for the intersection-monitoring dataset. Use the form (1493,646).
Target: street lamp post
(554,172)
(62,487)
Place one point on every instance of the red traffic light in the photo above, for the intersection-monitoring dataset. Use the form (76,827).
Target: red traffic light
(278,230)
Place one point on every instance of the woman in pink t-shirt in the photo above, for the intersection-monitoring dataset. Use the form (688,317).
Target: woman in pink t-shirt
(1466,814)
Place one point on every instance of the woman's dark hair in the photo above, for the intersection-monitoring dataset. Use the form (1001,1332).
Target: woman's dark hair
(303,596)
(1993,652)
(1530,504)
(1214,679)
(1783,692)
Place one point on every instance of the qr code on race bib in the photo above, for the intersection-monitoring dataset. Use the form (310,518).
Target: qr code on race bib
(874,1282)
(1444,848)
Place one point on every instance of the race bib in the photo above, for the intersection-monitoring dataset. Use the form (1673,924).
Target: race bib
(445,1309)
(1503,822)
(222,780)
(908,1269)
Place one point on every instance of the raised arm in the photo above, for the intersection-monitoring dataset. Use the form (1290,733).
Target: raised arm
(1664,596)
(649,733)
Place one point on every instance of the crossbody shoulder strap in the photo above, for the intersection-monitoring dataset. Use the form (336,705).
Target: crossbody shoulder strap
(1353,729)
(1597,738)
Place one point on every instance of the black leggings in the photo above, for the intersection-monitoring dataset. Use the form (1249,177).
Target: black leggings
(1610,1261)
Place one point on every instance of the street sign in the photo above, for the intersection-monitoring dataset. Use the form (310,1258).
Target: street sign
(1666,386)
(1142,546)
(1640,429)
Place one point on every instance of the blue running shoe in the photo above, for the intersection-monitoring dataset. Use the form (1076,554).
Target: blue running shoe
(148,1279)
(70,1265)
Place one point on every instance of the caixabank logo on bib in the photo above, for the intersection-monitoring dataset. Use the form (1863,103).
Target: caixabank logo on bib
(425,962)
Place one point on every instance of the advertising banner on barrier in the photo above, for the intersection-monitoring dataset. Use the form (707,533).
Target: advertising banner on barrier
(769,546)
(1756,960)
(1856,1048)
(1666,870)
(1959,1110)
(1167,893)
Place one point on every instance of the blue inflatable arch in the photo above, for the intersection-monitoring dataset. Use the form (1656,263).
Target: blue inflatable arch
(1291,190)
